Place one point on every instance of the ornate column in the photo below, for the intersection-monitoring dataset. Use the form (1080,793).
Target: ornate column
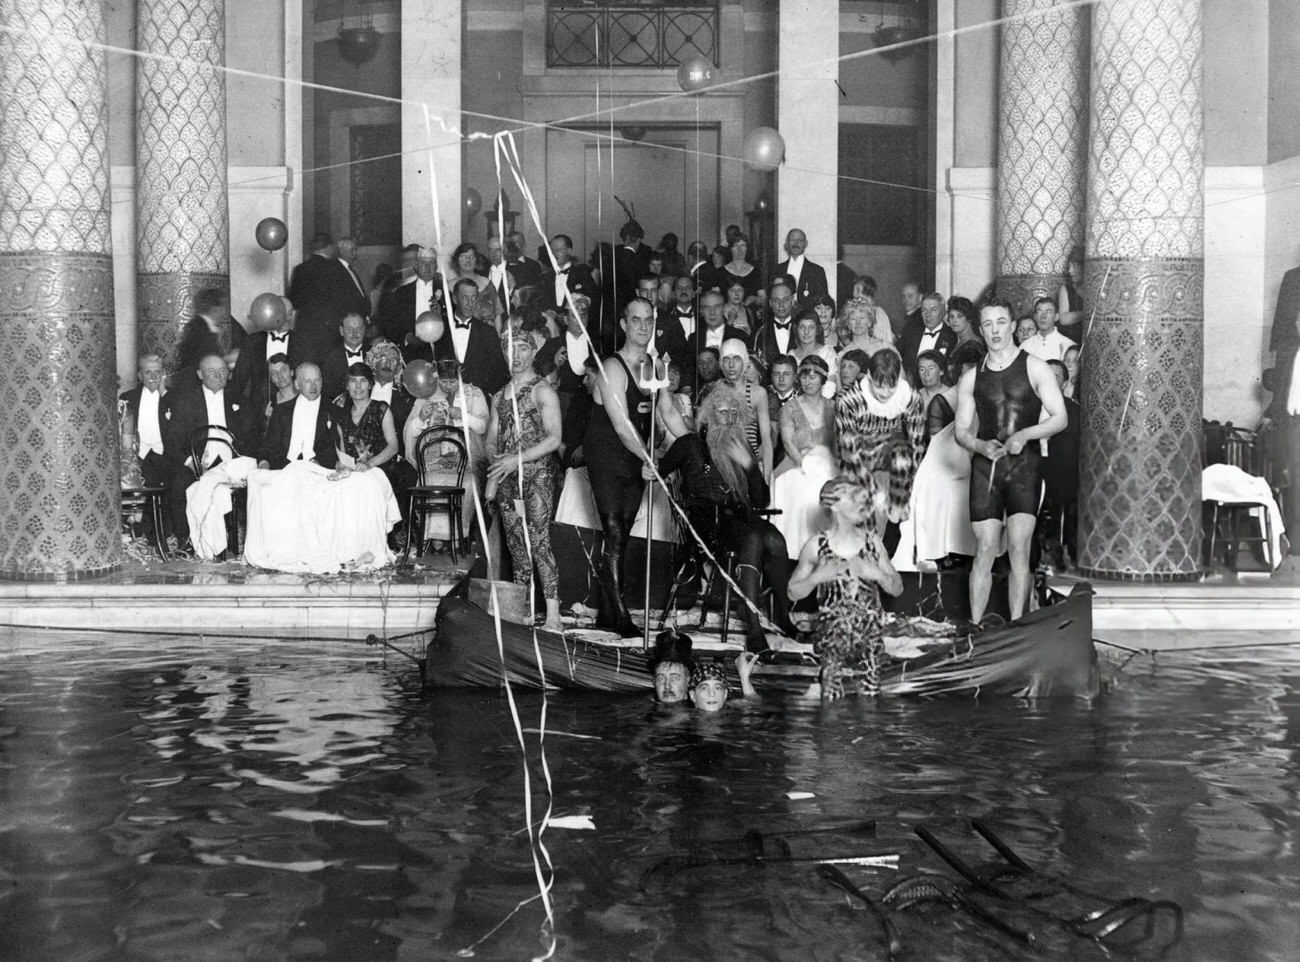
(59,487)
(1043,122)
(1140,459)
(182,216)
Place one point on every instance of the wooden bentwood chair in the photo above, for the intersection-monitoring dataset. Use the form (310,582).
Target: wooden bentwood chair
(238,517)
(425,498)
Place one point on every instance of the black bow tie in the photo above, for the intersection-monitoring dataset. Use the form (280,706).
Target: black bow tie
(279,338)
(353,354)
(785,326)
(562,270)
(461,325)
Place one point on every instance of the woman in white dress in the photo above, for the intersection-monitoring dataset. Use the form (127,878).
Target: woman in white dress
(861,329)
(807,425)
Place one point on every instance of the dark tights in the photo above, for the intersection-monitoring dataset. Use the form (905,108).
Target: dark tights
(617,500)
(761,558)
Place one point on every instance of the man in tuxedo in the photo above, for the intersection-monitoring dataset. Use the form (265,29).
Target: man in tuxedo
(682,308)
(809,278)
(930,334)
(911,308)
(420,293)
(144,405)
(301,429)
(631,261)
(776,336)
(472,343)
(386,361)
(571,275)
(207,332)
(347,257)
(334,369)
(251,379)
(710,332)
(323,291)
(184,414)
(526,271)
(501,280)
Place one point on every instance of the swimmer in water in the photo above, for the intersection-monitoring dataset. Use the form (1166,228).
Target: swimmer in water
(999,417)
(708,684)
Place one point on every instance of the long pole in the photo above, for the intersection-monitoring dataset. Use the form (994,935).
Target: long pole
(650,519)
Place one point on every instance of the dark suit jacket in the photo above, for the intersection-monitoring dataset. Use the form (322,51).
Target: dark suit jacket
(396,317)
(910,342)
(279,432)
(334,370)
(196,342)
(250,378)
(322,292)
(526,272)
(812,279)
(132,399)
(485,364)
(765,344)
(185,412)
(629,265)
(580,281)
(1284,339)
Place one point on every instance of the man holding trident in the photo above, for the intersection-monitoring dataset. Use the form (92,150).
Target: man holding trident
(615,447)
(1000,407)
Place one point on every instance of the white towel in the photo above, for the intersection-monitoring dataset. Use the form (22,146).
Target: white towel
(1224,482)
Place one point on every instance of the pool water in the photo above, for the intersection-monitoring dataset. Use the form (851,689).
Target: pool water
(181,799)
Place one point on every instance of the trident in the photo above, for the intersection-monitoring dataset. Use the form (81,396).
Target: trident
(652,374)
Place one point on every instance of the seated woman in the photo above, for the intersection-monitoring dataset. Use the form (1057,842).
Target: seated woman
(807,425)
(964,319)
(807,341)
(734,311)
(462,406)
(880,431)
(847,566)
(523,439)
(367,436)
(862,330)
(932,371)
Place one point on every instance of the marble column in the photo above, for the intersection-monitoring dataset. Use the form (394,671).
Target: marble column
(808,116)
(1042,139)
(59,485)
(431,57)
(182,213)
(1140,463)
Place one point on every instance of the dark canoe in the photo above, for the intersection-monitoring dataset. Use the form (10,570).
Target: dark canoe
(1047,652)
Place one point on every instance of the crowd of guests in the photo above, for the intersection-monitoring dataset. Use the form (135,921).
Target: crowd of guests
(770,406)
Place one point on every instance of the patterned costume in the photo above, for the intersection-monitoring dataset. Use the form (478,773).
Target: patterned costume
(848,639)
(882,436)
(541,477)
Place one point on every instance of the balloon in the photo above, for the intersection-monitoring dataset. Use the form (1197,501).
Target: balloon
(764,148)
(419,379)
(429,327)
(271,233)
(694,73)
(267,312)
(473,202)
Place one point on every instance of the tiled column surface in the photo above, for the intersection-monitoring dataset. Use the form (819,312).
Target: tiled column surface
(182,217)
(1140,459)
(59,484)
(1042,139)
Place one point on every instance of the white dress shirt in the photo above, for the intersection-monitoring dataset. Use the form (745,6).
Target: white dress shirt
(382,392)
(424,292)
(302,440)
(795,268)
(686,320)
(782,335)
(714,336)
(576,349)
(929,340)
(276,343)
(354,355)
(460,336)
(147,425)
(1293,393)
(562,283)
(1048,347)
(215,403)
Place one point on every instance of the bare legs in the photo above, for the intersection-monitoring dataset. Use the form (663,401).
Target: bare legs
(988,538)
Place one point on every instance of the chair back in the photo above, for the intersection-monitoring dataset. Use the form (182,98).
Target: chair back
(1239,450)
(214,434)
(432,445)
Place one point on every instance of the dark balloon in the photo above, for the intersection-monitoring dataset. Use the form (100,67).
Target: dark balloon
(764,148)
(267,312)
(420,379)
(271,233)
(694,73)
(473,202)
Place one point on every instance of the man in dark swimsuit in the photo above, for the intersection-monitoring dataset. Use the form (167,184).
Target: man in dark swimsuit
(615,450)
(999,416)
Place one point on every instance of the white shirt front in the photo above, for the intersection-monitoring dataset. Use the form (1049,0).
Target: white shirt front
(424,292)
(577,349)
(782,336)
(929,340)
(562,283)
(714,336)
(795,268)
(686,320)
(215,403)
(1293,394)
(354,355)
(1048,347)
(302,440)
(382,392)
(147,423)
(460,338)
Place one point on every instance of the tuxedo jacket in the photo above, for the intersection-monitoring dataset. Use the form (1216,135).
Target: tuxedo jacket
(765,344)
(812,279)
(525,272)
(132,399)
(279,433)
(322,292)
(485,364)
(909,345)
(334,370)
(629,265)
(185,412)
(197,341)
(580,281)
(396,318)
(250,379)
